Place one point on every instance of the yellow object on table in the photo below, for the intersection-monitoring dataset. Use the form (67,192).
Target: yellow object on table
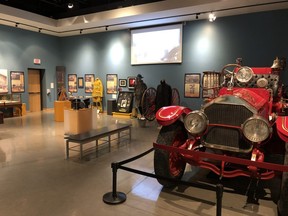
(59,107)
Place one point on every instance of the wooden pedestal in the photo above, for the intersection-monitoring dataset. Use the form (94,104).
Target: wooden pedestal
(77,121)
(59,107)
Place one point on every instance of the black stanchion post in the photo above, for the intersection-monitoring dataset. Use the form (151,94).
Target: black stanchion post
(114,197)
(219,194)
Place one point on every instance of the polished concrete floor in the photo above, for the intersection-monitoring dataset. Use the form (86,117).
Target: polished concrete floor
(37,180)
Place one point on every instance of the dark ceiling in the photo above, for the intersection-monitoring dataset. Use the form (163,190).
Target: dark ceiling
(58,9)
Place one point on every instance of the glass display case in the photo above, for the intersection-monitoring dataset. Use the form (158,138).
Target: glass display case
(10,104)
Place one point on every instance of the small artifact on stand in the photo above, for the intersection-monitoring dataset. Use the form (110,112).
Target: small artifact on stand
(140,88)
(97,94)
(76,104)
(62,95)
(86,102)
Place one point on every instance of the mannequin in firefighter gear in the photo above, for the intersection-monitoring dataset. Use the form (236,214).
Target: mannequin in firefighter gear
(97,94)
(163,95)
(140,88)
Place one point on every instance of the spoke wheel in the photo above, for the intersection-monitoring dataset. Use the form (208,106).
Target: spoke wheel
(148,104)
(175,97)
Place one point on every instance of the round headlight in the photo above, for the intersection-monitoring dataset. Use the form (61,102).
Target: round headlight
(256,129)
(244,74)
(196,122)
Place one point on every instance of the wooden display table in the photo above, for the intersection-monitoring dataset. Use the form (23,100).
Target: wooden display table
(11,104)
(59,107)
(77,121)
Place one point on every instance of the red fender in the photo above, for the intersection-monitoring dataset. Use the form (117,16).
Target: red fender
(168,115)
(282,127)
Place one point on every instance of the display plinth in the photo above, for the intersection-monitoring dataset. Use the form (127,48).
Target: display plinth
(119,114)
(111,106)
(59,107)
(23,109)
(20,112)
(77,121)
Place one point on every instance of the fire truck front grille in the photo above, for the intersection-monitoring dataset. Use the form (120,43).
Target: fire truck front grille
(228,139)
(221,133)
(227,114)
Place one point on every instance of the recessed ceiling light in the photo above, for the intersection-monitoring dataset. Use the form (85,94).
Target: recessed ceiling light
(212,17)
(70,5)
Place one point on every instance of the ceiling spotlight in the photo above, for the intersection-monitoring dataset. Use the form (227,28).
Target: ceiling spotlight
(212,17)
(70,5)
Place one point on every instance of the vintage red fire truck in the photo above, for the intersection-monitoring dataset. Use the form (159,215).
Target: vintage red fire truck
(234,133)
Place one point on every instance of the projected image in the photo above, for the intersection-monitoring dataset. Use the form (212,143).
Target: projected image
(157,45)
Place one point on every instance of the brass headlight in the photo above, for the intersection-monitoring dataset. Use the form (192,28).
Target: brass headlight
(244,74)
(196,122)
(256,129)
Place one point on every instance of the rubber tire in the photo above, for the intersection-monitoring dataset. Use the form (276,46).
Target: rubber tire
(171,135)
(283,200)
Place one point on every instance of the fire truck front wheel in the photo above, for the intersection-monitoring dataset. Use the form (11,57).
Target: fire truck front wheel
(283,200)
(170,164)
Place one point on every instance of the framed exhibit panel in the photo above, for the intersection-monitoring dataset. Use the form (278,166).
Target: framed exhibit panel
(3,81)
(72,83)
(80,82)
(192,85)
(131,82)
(125,101)
(111,83)
(17,81)
(122,83)
(89,80)
(210,83)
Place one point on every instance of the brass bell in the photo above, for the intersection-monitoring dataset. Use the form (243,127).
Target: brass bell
(276,64)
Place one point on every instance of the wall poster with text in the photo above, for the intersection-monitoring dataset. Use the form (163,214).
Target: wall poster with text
(192,85)
(17,81)
(111,83)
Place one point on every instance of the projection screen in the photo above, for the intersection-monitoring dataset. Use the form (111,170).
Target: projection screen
(156,45)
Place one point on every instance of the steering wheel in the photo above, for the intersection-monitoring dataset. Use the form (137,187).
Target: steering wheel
(227,74)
